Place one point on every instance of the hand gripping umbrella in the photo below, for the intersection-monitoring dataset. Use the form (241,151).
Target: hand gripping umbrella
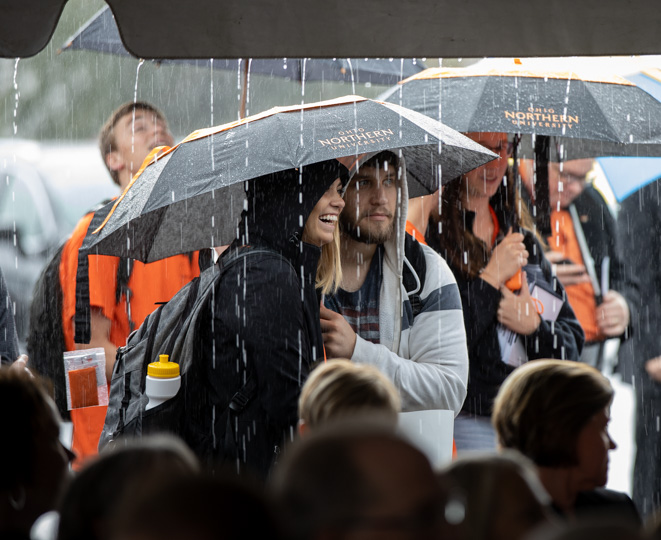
(191,196)
(587,114)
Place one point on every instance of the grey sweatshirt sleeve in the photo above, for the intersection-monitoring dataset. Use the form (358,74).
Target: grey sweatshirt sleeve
(430,368)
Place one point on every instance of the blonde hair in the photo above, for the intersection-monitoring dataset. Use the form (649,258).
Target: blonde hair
(339,388)
(329,269)
(543,405)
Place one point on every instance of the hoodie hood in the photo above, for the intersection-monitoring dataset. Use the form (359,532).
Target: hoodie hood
(278,205)
(394,293)
(392,290)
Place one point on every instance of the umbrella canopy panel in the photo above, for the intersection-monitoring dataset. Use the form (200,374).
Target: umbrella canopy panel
(101,34)
(626,174)
(191,197)
(555,104)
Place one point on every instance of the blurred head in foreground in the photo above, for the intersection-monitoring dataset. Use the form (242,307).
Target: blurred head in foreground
(199,508)
(121,474)
(496,497)
(340,389)
(357,480)
(34,465)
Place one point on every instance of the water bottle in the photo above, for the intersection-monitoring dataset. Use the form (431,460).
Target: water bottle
(163,381)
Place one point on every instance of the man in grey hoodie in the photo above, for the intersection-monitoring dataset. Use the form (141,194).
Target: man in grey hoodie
(414,334)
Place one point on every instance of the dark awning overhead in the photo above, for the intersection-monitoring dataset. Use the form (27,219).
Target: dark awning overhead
(350,28)
(26,26)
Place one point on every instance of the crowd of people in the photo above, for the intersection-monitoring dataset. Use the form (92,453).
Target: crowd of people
(330,315)
(348,474)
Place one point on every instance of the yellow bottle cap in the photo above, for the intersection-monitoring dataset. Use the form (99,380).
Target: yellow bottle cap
(163,369)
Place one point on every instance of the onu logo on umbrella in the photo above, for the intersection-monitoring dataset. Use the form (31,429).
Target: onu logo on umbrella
(357,137)
(542,117)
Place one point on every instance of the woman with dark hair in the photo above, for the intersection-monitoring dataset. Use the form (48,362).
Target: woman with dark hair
(556,413)
(485,234)
(34,464)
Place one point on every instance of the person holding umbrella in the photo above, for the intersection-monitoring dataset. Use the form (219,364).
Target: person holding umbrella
(487,242)
(586,253)
(261,184)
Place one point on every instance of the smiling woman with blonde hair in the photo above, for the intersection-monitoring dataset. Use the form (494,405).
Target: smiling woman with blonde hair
(259,334)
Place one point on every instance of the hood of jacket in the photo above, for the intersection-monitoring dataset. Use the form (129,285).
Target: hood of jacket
(392,293)
(278,205)
(394,246)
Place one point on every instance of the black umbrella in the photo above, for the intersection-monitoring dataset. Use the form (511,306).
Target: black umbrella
(191,196)
(570,105)
(101,34)
(587,115)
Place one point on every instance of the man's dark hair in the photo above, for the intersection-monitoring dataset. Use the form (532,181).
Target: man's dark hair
(107,142)
(384,161)
(382,157)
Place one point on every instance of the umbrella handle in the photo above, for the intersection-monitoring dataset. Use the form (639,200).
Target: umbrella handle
(515,282)
(244,91)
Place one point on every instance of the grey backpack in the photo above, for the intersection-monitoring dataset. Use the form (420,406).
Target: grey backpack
(168,330)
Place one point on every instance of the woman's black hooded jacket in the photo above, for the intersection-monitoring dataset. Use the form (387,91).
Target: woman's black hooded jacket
(262,333)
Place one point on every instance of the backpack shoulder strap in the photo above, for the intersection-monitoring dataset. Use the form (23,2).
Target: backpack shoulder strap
(82,317)
(414,272)
(185,339)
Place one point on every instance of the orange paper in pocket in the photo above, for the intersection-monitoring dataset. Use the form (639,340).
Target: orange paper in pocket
(83,388)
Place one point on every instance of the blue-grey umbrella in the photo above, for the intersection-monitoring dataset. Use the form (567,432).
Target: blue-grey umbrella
(101,34)
(628,174)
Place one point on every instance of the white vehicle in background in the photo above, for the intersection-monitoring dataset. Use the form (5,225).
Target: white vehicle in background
(45,188)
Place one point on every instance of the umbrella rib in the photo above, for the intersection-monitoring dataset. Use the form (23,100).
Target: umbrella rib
(613,133)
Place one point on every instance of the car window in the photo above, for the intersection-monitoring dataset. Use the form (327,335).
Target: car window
(73,197)
(18,209)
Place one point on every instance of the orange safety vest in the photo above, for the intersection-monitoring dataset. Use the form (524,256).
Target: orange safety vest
(151,283)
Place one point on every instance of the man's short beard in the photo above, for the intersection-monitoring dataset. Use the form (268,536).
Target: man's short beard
(354,232)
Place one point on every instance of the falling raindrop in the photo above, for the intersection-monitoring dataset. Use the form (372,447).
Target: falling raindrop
(135,100)
(246,90)
(16,96)
(211,93)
